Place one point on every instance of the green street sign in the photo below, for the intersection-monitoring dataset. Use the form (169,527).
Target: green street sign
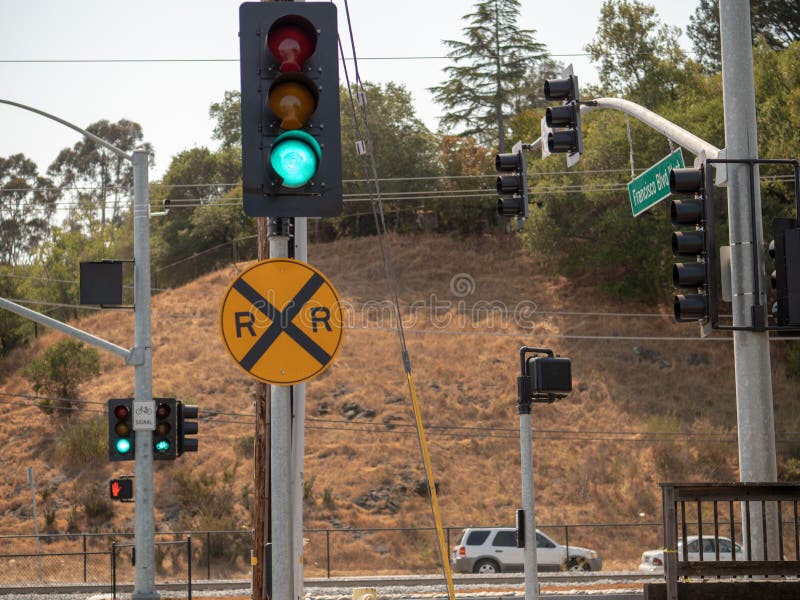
(652,186)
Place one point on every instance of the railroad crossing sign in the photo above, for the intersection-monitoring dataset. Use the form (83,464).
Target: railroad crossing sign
(281,321)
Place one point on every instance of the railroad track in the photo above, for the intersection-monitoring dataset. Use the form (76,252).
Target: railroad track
(566,581)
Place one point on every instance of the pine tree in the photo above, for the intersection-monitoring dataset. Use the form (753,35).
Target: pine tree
(490,74)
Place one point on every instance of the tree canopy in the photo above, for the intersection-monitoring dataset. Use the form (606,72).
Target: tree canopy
(777,22)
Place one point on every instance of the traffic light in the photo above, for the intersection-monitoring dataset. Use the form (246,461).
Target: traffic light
(512,183)
(121,444)
(165,436)
(544,378)
(565,120)
(785,250)
(291,138)
(187,425)
(697,275)
(121,489)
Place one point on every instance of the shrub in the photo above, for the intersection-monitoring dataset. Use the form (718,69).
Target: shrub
(82,443)
(60,370)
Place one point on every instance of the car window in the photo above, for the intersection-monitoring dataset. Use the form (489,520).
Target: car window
(505,539)
(724,546)
(477,537)
(543,542)
(694,546)
(708,546)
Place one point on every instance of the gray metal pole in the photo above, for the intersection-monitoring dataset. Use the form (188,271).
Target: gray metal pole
(526,455)
(757,460)
(144,582)
(281,461)
(32,483)
(298,435)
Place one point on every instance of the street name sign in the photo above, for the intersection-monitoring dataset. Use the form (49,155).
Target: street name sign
(282,321)
(652,186)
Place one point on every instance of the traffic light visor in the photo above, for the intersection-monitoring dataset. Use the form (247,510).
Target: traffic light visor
(561,116)
(686,181)
(686,212)
(559,89)
(508,162)
(689,308)
(295,157)
(292,40)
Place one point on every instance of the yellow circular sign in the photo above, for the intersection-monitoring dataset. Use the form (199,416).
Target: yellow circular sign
(282,321)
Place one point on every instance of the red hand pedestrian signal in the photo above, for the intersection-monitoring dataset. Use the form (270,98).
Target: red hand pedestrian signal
(121,489)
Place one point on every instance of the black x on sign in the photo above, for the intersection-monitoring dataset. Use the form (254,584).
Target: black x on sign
(281,321)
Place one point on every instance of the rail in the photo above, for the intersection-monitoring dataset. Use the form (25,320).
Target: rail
(767,514)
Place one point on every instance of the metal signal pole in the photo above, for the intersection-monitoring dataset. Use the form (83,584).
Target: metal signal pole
(757,460)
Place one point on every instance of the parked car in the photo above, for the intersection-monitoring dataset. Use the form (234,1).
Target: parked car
(494,550)
(653,560)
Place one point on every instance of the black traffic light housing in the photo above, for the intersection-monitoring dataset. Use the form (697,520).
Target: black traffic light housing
(187,425)
(699,275)
(121,439)
(785,250)
(290,107)
(565,120)
(165,436)
(543,378)
(512,183)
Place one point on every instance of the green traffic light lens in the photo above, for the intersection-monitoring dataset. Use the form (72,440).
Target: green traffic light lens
(123,445)
(295,157)
(162,446)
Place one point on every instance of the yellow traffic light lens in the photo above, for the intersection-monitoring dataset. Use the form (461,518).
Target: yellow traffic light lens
(292,102)
(295,157)
(122,429)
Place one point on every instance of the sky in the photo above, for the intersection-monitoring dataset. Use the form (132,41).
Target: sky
(162,63)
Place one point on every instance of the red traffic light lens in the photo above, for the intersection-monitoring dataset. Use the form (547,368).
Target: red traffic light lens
(121,412)
(292,41)
(163,410)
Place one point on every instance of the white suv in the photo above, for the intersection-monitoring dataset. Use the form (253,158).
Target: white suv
(494,550)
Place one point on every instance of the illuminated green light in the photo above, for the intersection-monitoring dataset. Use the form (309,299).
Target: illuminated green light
(123,445)
(162,446)
(295,157)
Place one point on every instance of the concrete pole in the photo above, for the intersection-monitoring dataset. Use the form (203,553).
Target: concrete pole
(526,456)
(144,525)
(757,461)
(281,455)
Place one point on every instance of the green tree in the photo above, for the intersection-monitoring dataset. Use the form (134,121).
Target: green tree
(99,178)
(637,55)
(490,73)
(60,371)
(776,21)
(228,117)
(405,153)
(27,203)
(196,180)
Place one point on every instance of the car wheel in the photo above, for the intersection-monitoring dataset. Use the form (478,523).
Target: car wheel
(578,564)
(486,567)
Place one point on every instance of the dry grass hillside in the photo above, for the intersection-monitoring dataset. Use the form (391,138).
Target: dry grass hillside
(634,418)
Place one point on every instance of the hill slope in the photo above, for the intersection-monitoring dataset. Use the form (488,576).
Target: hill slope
(640,412)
